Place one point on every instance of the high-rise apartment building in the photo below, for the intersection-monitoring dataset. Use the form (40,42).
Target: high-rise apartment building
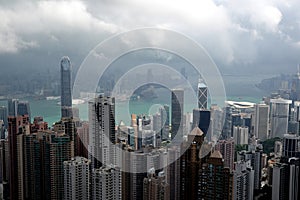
(106,183)
(226,147)
(18,127)
(155,186)
(190,165)
(243,181)
(77,179)
(66,87)
(101,130)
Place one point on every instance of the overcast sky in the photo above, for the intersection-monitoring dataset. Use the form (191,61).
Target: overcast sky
(241,36)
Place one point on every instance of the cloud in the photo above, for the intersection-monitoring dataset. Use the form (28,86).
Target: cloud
(234,32)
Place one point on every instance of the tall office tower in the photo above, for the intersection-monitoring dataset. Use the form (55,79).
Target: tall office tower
(280,181)
(24,109)
(279,117)
(102,130)
(295,90)
(243,178)
(216,178)
(106,183)
(261,121)
(173,172)
(202,95)
(156,186)
(66,87)
(77,179)
(190,166)
(226,131)
(226,147)
(177,100)
(59,148)
(240,135)
(217,116)
(3,116)
(201,119)
(165,121)
(13,107)
(17,128)
(291,145)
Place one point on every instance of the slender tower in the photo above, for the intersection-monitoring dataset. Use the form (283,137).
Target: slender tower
(66,88)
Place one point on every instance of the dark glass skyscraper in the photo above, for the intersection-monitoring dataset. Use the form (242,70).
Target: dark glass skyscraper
(66,88)
(177,112)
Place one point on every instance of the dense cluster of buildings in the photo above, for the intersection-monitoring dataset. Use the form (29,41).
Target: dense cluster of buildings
(169,155)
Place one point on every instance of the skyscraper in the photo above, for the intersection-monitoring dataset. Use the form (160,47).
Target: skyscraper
(165,121)
(17,128)
(177,100)
(3,115)
(23,108)
(59,148)
(291,145)
(102,130)
(243,181)
(226,147)
(280,181)
(279,117)
(202,95)
(66,87)
(156,186)
(261,121)
(217,179)
(106,183)
(240,135)
(190,165)
(77,179)
(201,119)
(13,107)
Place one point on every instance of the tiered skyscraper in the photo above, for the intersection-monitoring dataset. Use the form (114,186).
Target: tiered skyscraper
(66,87)
(202,95)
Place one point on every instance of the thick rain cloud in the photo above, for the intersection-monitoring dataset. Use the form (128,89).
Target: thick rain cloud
(252,36)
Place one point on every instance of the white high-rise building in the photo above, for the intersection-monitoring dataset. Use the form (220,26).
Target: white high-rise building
(279,117)
(243,181)
(261,121)
(107,182)
(102,131)
(240,135)
(76,178)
